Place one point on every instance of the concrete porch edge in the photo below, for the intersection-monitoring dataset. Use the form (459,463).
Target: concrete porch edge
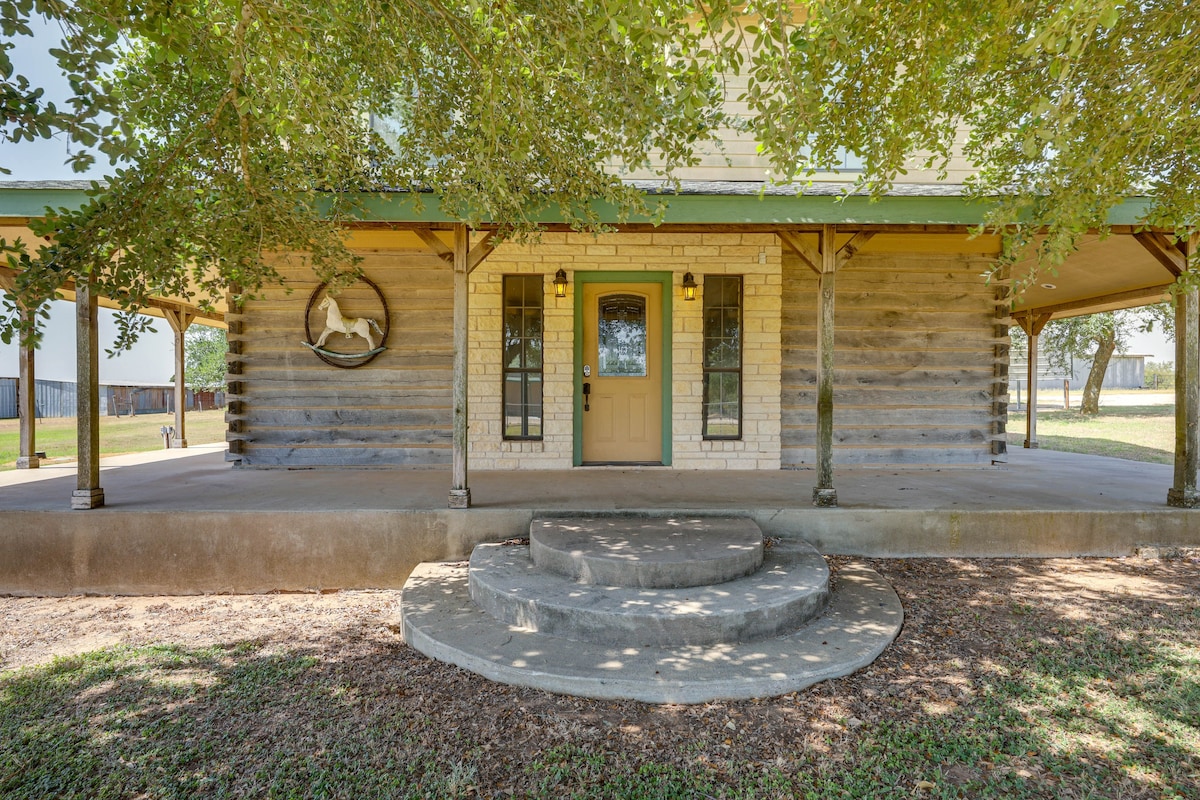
(194,552)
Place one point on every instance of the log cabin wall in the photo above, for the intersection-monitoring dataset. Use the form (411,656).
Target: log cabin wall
(916,348)
(919,341)
(292,410)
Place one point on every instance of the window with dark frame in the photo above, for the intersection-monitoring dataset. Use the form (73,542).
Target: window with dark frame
(522,379)
(722,403)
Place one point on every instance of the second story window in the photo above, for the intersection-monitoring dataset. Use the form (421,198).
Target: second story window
(522,379)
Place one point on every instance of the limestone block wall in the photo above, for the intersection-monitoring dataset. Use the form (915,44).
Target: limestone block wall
(916,350)
(756,257)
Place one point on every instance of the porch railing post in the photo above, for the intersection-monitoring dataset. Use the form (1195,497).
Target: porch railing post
(88,493)
(1183,493)
(27,457)
(824,495)
(460,492)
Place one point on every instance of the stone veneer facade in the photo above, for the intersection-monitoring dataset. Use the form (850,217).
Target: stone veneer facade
(756,257)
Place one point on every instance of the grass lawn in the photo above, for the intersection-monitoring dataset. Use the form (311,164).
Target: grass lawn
(117,434)
(1139,433)
(1076,678)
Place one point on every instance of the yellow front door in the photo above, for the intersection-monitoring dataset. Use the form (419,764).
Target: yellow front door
(622,368)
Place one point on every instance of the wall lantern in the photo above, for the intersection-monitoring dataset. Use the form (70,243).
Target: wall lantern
(560,283)
(689,286)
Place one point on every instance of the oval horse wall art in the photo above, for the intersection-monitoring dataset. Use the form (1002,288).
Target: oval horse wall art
(352,327)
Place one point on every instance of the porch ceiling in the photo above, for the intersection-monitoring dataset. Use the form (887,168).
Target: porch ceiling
(1103,275)
(12,229)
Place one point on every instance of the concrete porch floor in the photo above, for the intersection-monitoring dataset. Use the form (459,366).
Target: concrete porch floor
(198,479)
(185,522)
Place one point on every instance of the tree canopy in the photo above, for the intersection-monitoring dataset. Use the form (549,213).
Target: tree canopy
(204,366)
(238,128)
(1095,337)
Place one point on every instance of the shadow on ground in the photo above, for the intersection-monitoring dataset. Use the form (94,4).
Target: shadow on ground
(1011,678)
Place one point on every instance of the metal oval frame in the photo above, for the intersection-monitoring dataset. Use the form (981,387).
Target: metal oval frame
(367,359)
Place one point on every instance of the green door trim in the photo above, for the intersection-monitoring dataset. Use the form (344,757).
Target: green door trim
(667,281)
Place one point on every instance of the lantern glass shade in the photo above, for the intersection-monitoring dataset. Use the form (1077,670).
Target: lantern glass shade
(689,287)
(560,283)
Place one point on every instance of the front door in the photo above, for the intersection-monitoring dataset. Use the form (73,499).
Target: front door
(622,371)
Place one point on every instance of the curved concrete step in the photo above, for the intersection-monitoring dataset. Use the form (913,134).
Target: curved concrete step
(790,589)
(648,552)
(440,620)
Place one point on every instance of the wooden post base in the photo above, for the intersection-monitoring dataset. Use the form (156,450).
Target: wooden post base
(178,443)
(1183,498)
(28,462)
(83,499)
(1031,445)
(459,498)
(824,498)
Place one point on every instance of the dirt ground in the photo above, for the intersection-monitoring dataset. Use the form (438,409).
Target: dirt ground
(935,592)
(962,615)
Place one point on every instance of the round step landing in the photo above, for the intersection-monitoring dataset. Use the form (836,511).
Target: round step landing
(790,589)
(440,620)
(648,553)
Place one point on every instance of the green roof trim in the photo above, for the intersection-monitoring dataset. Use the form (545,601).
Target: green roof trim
(748,209)
(21,202)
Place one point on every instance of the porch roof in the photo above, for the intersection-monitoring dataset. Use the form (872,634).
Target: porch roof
(695,202)
(1105,274)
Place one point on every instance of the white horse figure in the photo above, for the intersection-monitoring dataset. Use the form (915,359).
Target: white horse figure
(336,323)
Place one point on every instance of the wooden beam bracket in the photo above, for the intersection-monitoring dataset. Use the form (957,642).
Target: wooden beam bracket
(1032,322)
(856,243)
(435,244)
(1172,255)
(482,249)
(808,255)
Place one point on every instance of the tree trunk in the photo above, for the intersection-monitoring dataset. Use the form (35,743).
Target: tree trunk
(1091,390)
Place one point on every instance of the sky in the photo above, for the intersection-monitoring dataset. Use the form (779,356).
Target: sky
(152,359)
(42,159)
(1156,345)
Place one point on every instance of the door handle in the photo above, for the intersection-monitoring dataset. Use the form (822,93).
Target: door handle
(587,395)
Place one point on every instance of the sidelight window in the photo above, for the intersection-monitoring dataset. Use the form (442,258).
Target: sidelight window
(522,389)
(722,404)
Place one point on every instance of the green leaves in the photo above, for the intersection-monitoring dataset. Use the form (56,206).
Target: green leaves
(240,132)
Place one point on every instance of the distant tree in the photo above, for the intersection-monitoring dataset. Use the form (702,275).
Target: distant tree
(1095,337)
(1159,375)
(204,357)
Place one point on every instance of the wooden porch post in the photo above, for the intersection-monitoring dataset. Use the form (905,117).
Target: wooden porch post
(1032,324)
(824,495)
(179,322)
(27,399)
(88,493)
(460,493)
(1031,388)
(1184,493)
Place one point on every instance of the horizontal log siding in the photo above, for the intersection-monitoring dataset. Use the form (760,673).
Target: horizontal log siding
(292,410)
(915,361)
